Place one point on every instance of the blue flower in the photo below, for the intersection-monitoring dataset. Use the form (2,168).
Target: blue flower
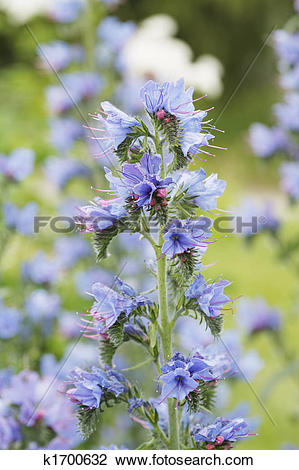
(180,375)
(287,46)
(255,315)
(177,384)
(183,235)
(266,141)
(90,386)
(193,138)
(290,79)
(61,170)
(170,97)
(289,182)
(41,305)
(65,11)
(210,297)
(118,123)
(58,54)
(204,190)
(100,216)
(64,132)
(135,403)
(222,432)
(18,165)
(21,220)
(287,113)
(77,86)
(10,321)
(70,249)
(140,181)
(40,269)
(9,431)
(111,302)
(115,33)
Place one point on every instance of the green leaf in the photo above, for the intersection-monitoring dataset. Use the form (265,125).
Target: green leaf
(152,333)
(87,420)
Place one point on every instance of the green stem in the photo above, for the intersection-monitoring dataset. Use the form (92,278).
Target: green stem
(166,338)
(165,327)
(89,35)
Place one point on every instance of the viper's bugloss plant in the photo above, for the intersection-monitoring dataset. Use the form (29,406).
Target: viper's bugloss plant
(152,193)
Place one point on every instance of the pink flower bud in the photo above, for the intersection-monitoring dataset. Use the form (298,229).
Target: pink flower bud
(162,192)
(160,114)
(219,440)
(210,446)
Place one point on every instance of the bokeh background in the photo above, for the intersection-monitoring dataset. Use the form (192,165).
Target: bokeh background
(238,35)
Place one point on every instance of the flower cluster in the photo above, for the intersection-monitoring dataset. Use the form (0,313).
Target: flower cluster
(209,297)
(148,196)
(181,376)
(91,387)
(110,303)
(281,138)
(221,433)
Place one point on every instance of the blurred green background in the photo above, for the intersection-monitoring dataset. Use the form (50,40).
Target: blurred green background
(234,31)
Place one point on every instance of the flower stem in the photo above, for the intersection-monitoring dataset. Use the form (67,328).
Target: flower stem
(166,338)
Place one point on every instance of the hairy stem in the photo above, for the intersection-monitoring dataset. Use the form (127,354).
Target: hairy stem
(166,338)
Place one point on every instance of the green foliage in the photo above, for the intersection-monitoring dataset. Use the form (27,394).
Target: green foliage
(102,239)
(214,324)
(170,129)
(87,420)
(203,397)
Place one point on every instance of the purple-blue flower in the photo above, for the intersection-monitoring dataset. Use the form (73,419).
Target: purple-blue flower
(115,33)
(287,46)
(10,321)
(18,165)
(210,297)
(222,432)
(193,135)
(169,97)
(64,132)
(41,305)
(183,235)
(180,375)
(21,220)
(140,181)
(287,112)
(290,79)
(58,54)
(9,431)
(204,190)
(100,216)
(65,11)
(41,270)
(60,170)
(111,302)
(118,123)
(70,249)
(77,86)
(289,182)
(266,141)
(90,386)
(255,315)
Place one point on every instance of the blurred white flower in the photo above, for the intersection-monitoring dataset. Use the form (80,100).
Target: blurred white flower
(153,52)
(22,10)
